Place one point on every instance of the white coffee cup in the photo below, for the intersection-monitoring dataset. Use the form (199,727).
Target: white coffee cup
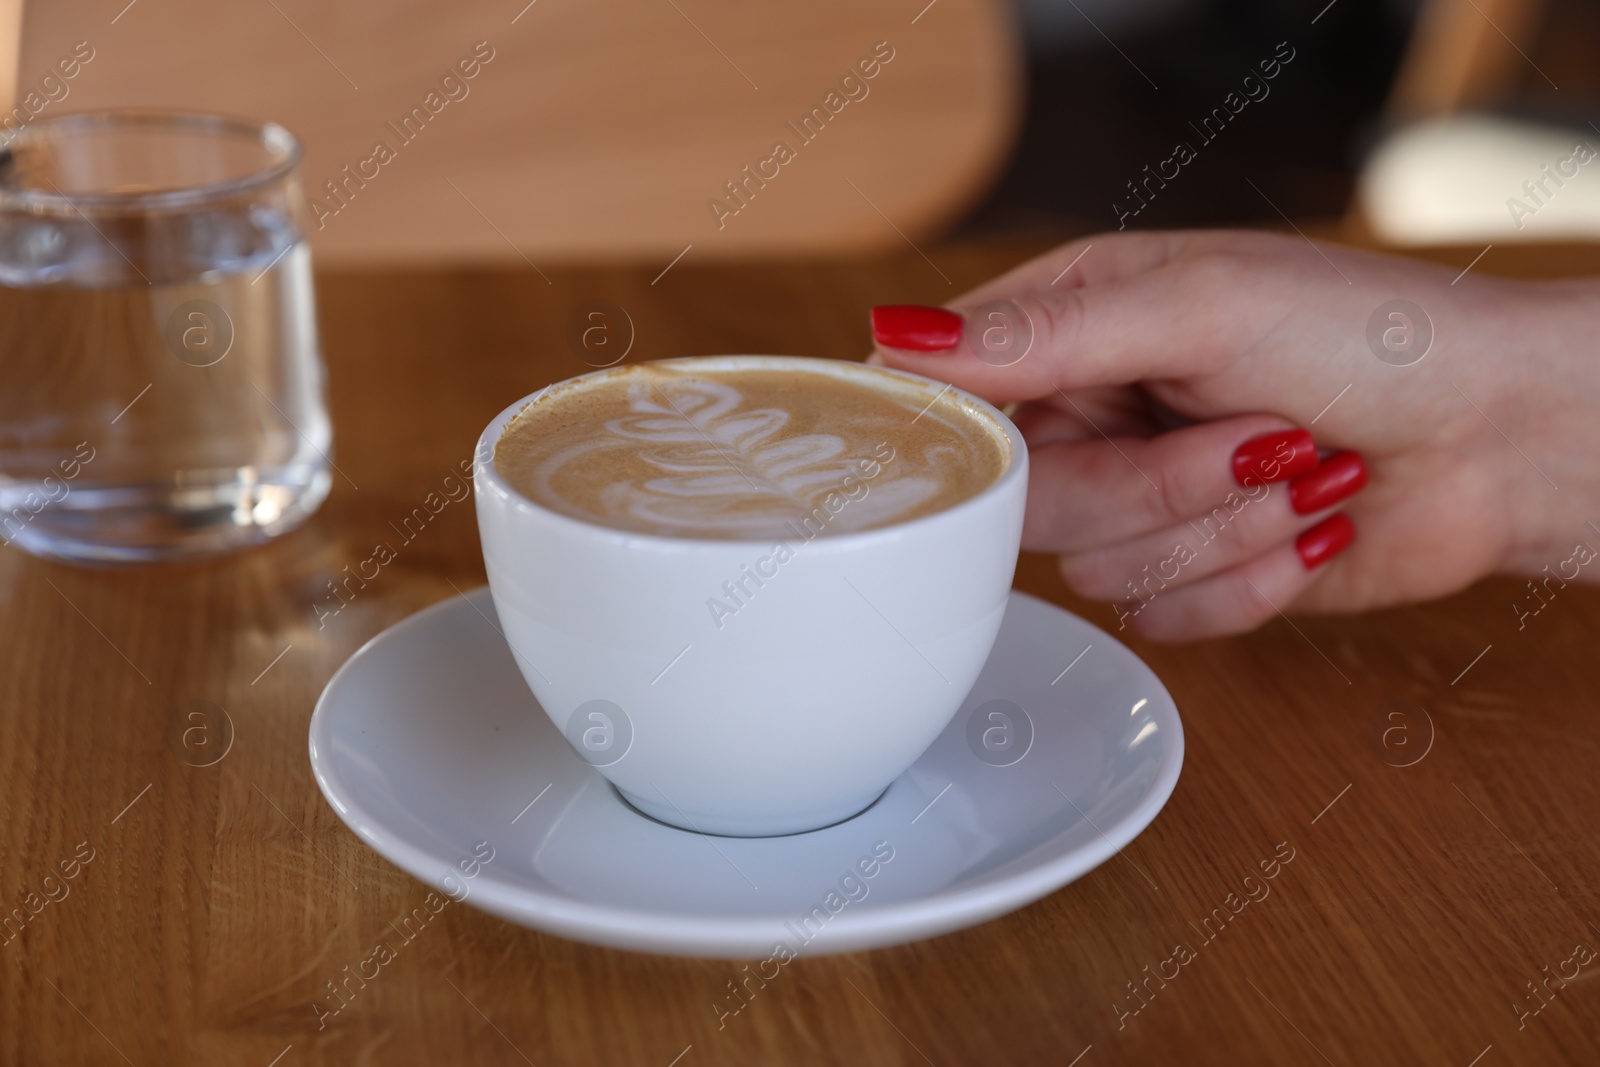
(839,668)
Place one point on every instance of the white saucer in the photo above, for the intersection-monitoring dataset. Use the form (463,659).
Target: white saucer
(429,745)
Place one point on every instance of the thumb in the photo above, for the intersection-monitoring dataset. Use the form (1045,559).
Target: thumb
(1112,310)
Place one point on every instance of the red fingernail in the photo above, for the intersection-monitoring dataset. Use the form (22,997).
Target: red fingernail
(1325,540)
(1275,457)
(915,328)
(1339,476)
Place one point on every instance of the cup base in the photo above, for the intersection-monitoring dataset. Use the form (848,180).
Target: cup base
(713,826)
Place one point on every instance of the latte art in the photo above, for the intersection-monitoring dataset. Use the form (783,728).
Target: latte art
(748,453)
(731,468)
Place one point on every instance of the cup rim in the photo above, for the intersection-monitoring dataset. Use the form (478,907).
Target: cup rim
(1016,465)
(283,147)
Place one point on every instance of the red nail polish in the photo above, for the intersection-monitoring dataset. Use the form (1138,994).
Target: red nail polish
(1339,476)
(1325,540)
(1275,457)
(914,328)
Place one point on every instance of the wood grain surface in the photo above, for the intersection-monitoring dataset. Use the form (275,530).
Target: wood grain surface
(589,130)
(209,905)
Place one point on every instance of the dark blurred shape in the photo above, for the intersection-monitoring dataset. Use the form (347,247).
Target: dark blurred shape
(1108,102)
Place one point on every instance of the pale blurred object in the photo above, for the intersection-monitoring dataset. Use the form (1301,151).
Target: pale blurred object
(1479,178)
(1447,172)
(10,41)
(593,131)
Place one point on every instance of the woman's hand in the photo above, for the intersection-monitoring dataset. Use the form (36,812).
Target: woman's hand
(1170,382)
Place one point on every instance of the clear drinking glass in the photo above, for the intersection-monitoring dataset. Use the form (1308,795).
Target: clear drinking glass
(161,387)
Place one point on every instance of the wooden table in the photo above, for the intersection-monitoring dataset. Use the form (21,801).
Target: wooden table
(1419,903)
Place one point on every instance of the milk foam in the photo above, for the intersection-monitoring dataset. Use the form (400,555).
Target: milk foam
(743,454)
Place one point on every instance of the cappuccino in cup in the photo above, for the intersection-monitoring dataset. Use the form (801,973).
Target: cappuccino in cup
(750,590)
(747,455)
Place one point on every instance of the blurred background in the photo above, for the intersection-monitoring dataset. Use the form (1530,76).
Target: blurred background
(614,131)
(1417,117)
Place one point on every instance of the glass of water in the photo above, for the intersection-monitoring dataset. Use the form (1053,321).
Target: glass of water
(161,387)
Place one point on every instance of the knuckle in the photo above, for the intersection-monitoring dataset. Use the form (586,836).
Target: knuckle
(1252,530)
(1160,627)
(1218,271)
(1058,318)
(1243,608)
(1174,499)
(1087,575)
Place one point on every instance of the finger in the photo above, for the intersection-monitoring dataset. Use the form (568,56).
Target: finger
(1244,597)
(1191,551)
(1141,310)
(1115,409)
(1116,412)
(1093,260)
(1089,494)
